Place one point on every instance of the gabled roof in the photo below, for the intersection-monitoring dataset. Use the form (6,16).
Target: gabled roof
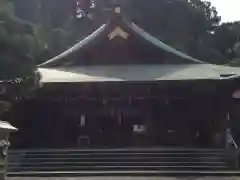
(85,61)
(151,46)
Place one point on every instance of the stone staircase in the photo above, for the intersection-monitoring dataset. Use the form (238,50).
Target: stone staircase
(118,161)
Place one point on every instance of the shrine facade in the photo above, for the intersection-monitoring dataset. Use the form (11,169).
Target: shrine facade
(122,87)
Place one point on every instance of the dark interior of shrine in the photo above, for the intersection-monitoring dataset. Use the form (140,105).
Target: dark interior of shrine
(95,115)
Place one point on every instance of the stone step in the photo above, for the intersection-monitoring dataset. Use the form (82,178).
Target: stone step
(131,154)
(125,168)
(58,164)
(112,151)
(118,151)
(145,173)
(118,160)
(124,159)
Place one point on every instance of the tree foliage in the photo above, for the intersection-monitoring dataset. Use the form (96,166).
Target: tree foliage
(18,75)
(191,26)
(226,38)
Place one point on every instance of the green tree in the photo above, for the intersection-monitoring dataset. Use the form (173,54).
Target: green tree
(182,24)
(225,39)
(236,60)
(17,68)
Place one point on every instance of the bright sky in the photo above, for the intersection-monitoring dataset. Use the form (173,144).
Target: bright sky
(229,10)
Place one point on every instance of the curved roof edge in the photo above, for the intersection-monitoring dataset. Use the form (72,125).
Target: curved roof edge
(77,46)
(143,34)
(160,44)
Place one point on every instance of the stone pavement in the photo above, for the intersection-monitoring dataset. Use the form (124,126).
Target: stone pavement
(129,178)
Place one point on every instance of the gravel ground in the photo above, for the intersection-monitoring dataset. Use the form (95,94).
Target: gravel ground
(130,178)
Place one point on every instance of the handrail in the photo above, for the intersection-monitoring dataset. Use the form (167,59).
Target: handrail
(233,142)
